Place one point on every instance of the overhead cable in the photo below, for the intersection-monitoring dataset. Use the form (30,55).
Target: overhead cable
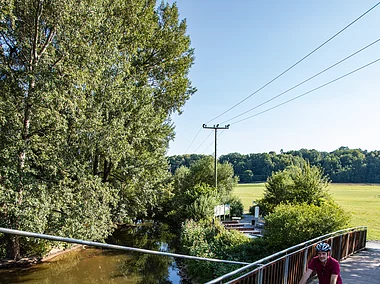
(299,61)
(203,141)
(204,151)
(193,140)
(299,84)
(304,94)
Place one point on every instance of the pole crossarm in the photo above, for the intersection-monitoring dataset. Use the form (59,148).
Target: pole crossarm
(216,126)
(109,246)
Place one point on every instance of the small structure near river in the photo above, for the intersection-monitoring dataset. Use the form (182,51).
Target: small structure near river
(245,225)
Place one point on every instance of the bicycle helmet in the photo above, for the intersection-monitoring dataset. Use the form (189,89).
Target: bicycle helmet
(325,247)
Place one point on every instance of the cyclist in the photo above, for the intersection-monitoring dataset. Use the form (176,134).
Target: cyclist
(326,267)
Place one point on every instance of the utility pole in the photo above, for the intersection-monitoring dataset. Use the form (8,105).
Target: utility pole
(216,127)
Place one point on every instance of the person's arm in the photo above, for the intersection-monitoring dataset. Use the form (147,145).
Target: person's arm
(306,276)
(335,272)
(333,278)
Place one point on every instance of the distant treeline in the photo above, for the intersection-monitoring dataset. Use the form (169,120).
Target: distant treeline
(342,165)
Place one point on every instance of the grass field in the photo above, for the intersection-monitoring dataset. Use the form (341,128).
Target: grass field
(362,201)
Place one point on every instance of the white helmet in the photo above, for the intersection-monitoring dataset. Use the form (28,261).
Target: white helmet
(323,247)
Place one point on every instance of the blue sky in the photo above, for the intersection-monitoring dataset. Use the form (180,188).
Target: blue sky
(241,45)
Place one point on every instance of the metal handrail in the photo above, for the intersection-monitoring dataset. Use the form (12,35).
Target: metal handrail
(352,243)
(109,246)
(284,253)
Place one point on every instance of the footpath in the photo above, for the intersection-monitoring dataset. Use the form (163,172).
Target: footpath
(362,267)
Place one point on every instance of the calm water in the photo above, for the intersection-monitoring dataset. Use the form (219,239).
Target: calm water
(104,266)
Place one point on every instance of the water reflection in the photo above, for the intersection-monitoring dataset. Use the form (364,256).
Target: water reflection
(104,266)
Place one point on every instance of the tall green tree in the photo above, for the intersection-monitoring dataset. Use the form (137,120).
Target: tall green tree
(295,185)
(194,192)
(87,92)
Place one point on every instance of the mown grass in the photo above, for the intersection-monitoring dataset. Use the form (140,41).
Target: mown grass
(362,201)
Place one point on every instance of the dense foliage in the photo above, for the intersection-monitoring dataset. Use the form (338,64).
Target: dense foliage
(236,206)
(295,185)
(194,192)
(177,161)
(298,207)
(342,165)
(87,92)
(291,224)
(212,240)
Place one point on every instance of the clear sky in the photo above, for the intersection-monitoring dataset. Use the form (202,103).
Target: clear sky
(241,45)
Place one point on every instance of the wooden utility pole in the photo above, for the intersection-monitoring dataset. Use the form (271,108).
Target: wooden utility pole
(216,127)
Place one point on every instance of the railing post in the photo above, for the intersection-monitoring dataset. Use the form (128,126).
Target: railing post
(260,276)
(286,270)
(348,244)
(340,247)
(361,243)
(305,259)
(353,243)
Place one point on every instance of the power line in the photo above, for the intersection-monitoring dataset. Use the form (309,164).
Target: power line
(204,151)
(304,94)
(209,145)
(200,129)
(299,61)
(283,74)
(299,84)
(203,141)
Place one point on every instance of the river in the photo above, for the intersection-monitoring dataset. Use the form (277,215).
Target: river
(92,265)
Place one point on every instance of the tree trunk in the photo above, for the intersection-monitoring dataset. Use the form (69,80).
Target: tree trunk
(39,41)
(13,247)
(106,170)
(95,166)
(13,242)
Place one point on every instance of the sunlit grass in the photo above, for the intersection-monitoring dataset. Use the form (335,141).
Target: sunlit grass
(249,192)
(362,201)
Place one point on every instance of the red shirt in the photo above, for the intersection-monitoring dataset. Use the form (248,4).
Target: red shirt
(324,272)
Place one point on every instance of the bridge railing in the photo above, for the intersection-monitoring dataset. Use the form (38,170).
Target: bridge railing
(287,266)
(114,247)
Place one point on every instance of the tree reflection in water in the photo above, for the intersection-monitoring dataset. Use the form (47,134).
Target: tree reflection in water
(107,266)
(152,236)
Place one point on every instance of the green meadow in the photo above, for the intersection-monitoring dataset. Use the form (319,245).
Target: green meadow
(362,201)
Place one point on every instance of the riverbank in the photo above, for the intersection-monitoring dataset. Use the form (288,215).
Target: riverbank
(29,261)
(94,265)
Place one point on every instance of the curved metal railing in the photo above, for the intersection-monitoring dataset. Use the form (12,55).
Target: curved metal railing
(284,267)
(110,246)
(287,266)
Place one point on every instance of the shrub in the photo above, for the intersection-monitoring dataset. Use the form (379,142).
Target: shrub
(236,206)
(292,224)
(205,239)
(295,185)
(202,208)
